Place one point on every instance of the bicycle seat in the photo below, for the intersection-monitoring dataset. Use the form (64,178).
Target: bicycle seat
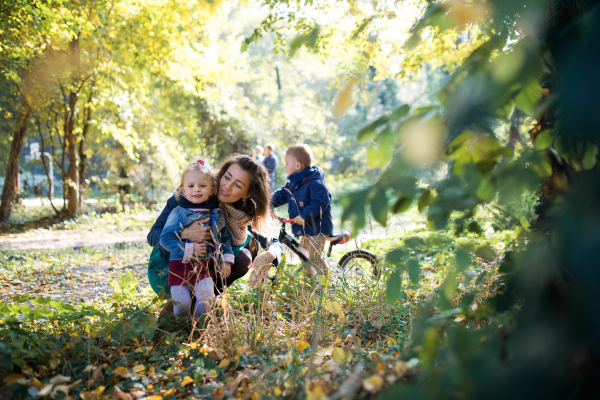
(339,237)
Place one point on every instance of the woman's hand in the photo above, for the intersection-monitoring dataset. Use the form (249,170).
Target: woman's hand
(197,232)
(225,269)
(200,249)
(260,268)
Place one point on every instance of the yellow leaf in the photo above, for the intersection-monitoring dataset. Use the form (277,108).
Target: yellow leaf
(324,352)
(138,368)
(211,374)
(99,390)
(242,350)
(155,397)
(339,355)
(391,341)
(287,359)
(373,384)
(343,99)
(87,396)
(122,371)
(224,363)
(45,391)
(15,378)
(170,392)
(335,308)
(302,345)
(374,356)
(277,391)
(315,394)
(151,369)
(37,383)
(53,363)
(400,368)
(186,380)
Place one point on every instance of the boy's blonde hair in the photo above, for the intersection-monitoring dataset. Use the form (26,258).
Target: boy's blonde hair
(302,152)
(199,166)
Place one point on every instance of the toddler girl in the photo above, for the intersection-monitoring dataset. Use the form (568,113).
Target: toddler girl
(196,201)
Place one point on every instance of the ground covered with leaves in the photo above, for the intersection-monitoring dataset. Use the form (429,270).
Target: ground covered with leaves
(82,323)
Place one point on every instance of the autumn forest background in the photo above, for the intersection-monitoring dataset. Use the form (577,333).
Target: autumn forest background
(459,139)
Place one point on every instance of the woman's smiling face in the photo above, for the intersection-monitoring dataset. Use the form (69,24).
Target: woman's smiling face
(234,184)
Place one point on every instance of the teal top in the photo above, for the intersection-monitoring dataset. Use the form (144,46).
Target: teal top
(237,249)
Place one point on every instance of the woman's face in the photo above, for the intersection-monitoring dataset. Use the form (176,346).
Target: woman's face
(234,184)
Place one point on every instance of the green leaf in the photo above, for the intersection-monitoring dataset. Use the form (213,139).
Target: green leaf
(414,270)
(353,205)
(402,204)
(396,257)
(425,200)
(379,206)
(487,189)
(393,288)
(380,152)
(368,131)
(544,140)
(589,157)
(528,97)
(463,259)
(399,112)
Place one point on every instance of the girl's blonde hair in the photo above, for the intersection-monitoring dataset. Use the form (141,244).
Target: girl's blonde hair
(199,166)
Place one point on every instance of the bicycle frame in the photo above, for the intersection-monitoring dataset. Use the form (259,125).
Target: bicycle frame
(291,241)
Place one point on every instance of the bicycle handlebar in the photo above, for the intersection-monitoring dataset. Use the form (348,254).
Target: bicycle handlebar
(286,221)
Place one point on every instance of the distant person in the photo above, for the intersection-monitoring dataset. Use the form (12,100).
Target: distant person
(309,203)
(257,153)
(270,162)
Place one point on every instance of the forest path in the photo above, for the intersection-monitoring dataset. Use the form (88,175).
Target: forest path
(62,239)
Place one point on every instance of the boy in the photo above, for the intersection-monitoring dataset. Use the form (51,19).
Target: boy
(270,162)
(309,203)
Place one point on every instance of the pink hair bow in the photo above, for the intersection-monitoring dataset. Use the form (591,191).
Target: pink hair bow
(201,162)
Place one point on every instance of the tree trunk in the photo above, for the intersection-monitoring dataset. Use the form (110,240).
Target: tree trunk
(14,159)
(73,170)
(82,156)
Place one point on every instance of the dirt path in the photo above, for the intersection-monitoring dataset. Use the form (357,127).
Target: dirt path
(46,239)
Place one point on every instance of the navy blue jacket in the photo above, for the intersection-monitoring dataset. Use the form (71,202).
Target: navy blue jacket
(306,195)
(270,164)
(156,231)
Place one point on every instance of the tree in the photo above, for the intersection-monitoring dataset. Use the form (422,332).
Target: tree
(540,57)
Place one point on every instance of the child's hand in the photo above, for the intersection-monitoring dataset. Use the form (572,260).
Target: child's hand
(199,249)
(226,269)
(299,220)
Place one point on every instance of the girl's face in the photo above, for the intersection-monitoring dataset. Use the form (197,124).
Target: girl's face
(234,184)
(197,186)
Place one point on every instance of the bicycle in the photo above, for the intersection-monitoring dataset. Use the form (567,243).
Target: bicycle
(352,264)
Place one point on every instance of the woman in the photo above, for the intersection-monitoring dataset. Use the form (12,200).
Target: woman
(243,188)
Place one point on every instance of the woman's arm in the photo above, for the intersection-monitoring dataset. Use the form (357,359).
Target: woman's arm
(273,246)
(263,263)
(159,224)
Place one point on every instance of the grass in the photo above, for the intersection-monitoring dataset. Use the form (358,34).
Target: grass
(297,338)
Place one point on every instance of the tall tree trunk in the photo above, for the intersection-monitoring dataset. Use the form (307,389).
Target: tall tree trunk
(85,131)
(14,159)
(69,124)
(73,170)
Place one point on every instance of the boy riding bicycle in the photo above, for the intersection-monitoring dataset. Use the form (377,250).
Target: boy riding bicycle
(309,203)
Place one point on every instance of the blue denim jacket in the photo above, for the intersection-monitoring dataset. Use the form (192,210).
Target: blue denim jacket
(180,218)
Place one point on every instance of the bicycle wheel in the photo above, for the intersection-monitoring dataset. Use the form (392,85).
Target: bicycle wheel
(358,263)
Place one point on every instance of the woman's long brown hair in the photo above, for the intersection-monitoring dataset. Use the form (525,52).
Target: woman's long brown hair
(257,205)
